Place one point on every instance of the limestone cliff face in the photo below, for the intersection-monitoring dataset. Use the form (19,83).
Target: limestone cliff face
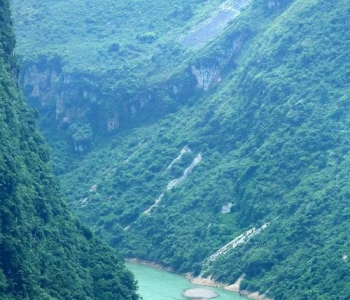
(74,103)
(65,99)
(50,89)
(209,74)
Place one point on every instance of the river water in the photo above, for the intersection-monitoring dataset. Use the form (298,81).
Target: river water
(156,284)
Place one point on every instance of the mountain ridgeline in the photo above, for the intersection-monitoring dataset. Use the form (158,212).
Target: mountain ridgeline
(226,158)
(45,252)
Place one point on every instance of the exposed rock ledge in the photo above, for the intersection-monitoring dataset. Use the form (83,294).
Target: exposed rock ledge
(233,287)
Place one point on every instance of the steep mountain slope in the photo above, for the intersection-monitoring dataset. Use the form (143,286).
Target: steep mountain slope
(99,73)
(93,68)
(273,141)
(267,147)
(45,253)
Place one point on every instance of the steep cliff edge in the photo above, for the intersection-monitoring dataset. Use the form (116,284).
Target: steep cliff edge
(82,99)
(45,252)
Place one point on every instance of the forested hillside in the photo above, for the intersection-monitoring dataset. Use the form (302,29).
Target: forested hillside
(260,141)
(96,68)
(45,252)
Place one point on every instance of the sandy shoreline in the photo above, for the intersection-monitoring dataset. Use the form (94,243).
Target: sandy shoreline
(204,281)
(233,287)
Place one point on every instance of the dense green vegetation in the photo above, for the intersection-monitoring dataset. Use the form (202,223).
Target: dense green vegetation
(99,59)
(274,140)
(124,39)
(45,252)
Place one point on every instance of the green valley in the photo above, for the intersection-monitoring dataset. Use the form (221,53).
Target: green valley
(225,158)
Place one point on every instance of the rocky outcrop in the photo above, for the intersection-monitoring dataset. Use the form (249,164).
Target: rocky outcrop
(207,76)
(70,98)
(51,90)
(68,101)
(209,73)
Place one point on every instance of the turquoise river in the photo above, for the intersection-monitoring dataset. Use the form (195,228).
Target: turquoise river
(156,284)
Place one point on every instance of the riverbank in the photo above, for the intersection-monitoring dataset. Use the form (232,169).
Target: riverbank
(204,281)
(148,263)
(233,287)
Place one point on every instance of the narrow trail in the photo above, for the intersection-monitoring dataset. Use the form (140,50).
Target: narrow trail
(243,238)
(184,150)
(177,181)
(148,210)
(174,182)
(188,171)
